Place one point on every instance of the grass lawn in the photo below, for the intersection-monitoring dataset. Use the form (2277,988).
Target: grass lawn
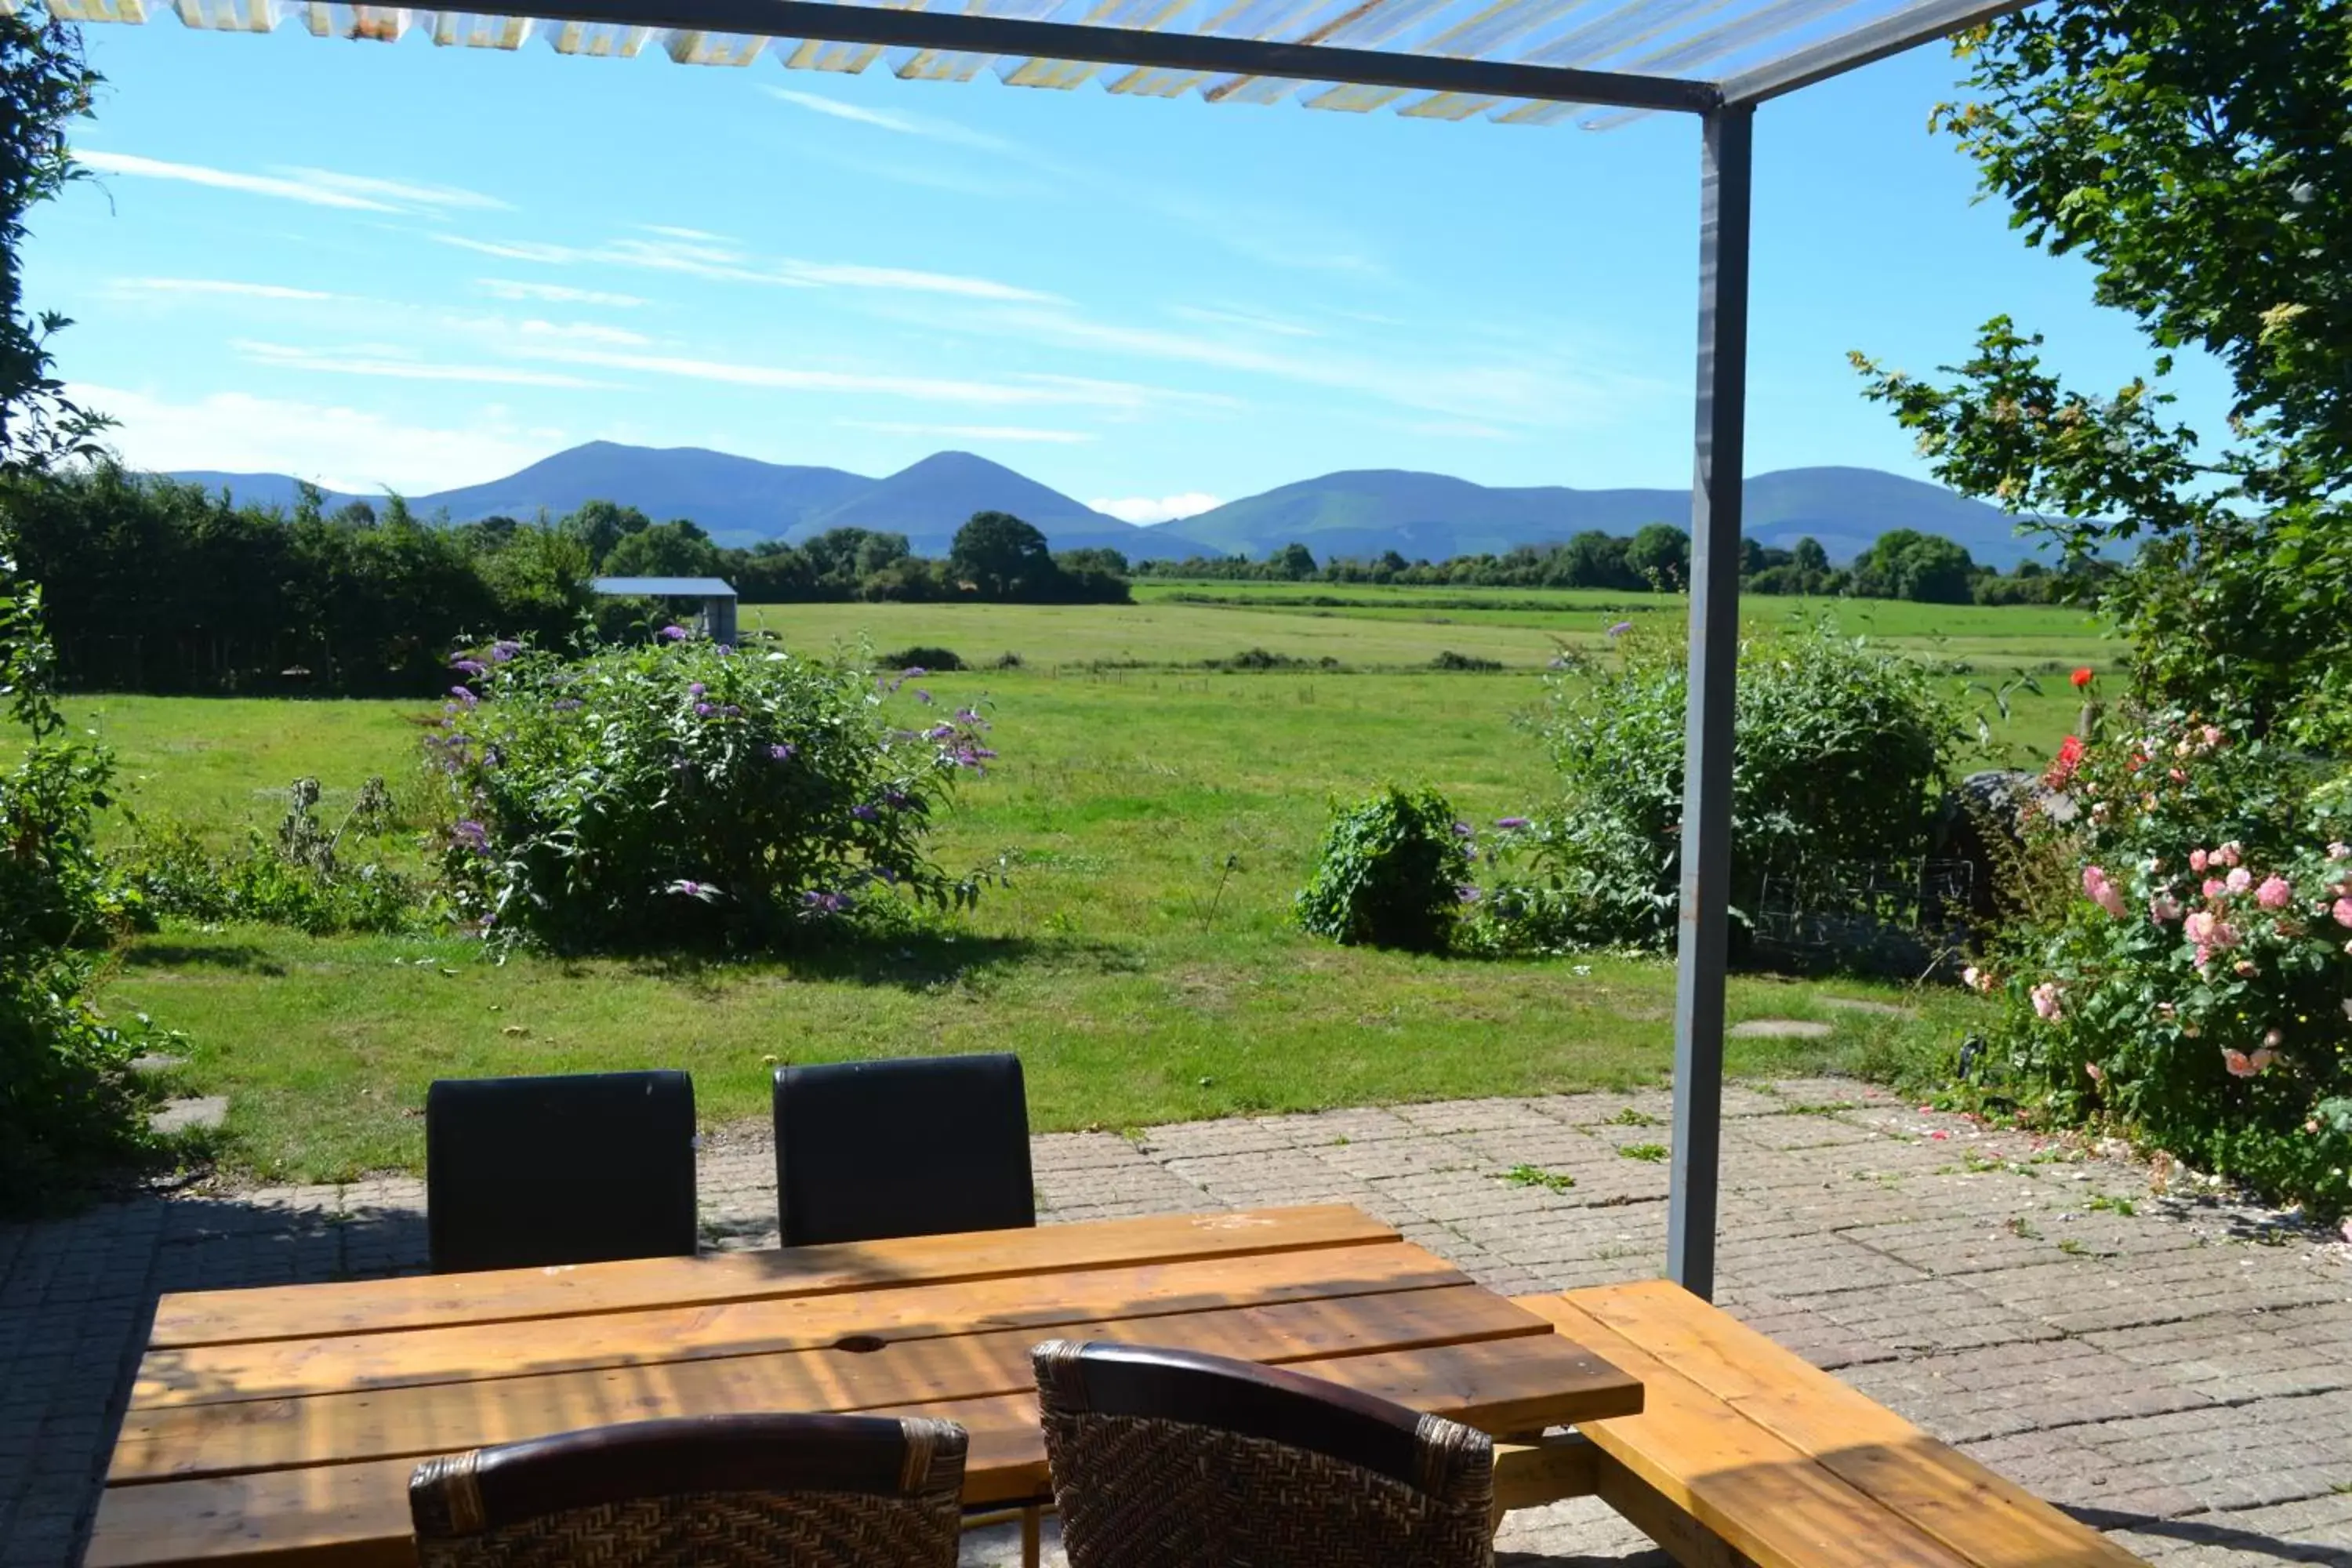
(1153,822)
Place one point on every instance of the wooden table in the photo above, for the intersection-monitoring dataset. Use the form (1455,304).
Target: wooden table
(281,1426)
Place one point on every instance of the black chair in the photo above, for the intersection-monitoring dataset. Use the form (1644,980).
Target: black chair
(521,1172)
(1166,1459)
(924,1146)
(725,1492)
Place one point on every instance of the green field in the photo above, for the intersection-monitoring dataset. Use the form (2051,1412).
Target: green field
(1153,823)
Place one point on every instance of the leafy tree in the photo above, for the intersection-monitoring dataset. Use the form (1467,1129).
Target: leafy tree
(45,84)
(676,549)
(1904,563)
(1659,555)
(1101,559)
(2196,156)
(599,525)
(1809,557)
(1002,557)
(1293,563)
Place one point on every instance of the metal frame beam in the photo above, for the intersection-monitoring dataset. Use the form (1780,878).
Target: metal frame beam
(966,33)
(1848,51)
(1702,949)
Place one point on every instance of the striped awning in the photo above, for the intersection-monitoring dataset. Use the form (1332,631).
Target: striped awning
(1641,55)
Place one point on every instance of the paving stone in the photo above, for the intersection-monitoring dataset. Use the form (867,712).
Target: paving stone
(2181,1375)
(1782,1029)
(206,1111)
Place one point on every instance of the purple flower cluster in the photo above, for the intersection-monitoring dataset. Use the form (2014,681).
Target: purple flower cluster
(469,667)
(1620,628)
(676,634)
(865,813)
(504,649)
(696,689)
(1510,823)
(472,834)
(782,751)
(818,902)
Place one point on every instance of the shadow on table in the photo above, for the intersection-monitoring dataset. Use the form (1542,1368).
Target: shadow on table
(2207,1529)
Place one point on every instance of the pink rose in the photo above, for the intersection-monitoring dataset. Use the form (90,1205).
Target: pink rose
(2244,968)
(2164,909)
(2197,859)
(2230,853)
(1976,979)
(2098,1074)
(2339,851)
(2275,893)
(2212,735)
(2102,892)
(2239,1064)
(2343,913)
(2274,1039)
(2045,1002)
(2261,1058)
(2200,926)
(2239,879)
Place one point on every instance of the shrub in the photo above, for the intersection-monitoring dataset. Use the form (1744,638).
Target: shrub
(1008,660)
(2183,968)
(685,794)
(70,1106)
(1449,659)
(298,877)
(1393,871)
(930,661)
(1840,756)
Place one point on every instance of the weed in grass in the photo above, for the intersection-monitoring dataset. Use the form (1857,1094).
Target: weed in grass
(2023,1228)
(1817,1107)
(1632,1116)
(1536,1176)
(2072,1247)
(1650,1152)
(2104,1203)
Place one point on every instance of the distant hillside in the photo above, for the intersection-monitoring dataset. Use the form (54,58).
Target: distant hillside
(740,501)
(1433,516)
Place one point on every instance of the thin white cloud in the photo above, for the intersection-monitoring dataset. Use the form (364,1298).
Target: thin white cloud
(708,256)
(793,378)
(342,449)
(583,332)
(400,193)
(971,432)
(230,180)
(514,249)
(1248,321)
(908,280)
(926,126)
(688,233)
(1141,510)
(373,360)
(554,293)
(313,187)
(213,285)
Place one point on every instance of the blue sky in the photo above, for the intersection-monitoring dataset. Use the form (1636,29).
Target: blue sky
(394,265)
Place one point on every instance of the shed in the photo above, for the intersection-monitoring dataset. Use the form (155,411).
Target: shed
(717,597)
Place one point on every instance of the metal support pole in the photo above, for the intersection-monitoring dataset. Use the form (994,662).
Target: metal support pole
(1703,942)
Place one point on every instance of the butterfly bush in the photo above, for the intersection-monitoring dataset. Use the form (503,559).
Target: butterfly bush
(684,793)
(2184,966)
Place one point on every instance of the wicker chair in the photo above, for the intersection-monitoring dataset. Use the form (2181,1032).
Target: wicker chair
(921,1146)
(729,1491)
(523,1172)
(1169,1459)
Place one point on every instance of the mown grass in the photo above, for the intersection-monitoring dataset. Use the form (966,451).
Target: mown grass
(1153,825)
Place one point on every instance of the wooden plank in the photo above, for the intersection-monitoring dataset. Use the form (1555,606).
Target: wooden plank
(1529,1475)
(375,1306)
(332,1515)
(1989,1520)
(271,1369)
(356,1516)
(1765,1498)
(1684,1539)
(260,1434)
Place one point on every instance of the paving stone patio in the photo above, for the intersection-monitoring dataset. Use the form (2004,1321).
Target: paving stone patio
(2174,1368)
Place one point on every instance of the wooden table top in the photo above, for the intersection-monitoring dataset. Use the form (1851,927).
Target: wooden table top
(280,1425)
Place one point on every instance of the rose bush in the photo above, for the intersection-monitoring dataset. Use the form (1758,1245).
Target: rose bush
(2184,964)
(684,793)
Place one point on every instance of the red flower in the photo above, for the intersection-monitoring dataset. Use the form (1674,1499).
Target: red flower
(2084,677)
(2063,766)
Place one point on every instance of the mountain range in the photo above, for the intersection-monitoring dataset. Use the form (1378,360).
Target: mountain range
(740,501)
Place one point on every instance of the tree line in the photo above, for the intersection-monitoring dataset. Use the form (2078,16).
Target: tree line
(155,584)
(1903,564)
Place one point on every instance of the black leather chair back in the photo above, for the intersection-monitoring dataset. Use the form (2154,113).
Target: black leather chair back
(521,1172)
(923,1146)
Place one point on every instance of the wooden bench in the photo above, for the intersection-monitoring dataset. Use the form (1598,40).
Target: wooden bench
(1746,1453)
